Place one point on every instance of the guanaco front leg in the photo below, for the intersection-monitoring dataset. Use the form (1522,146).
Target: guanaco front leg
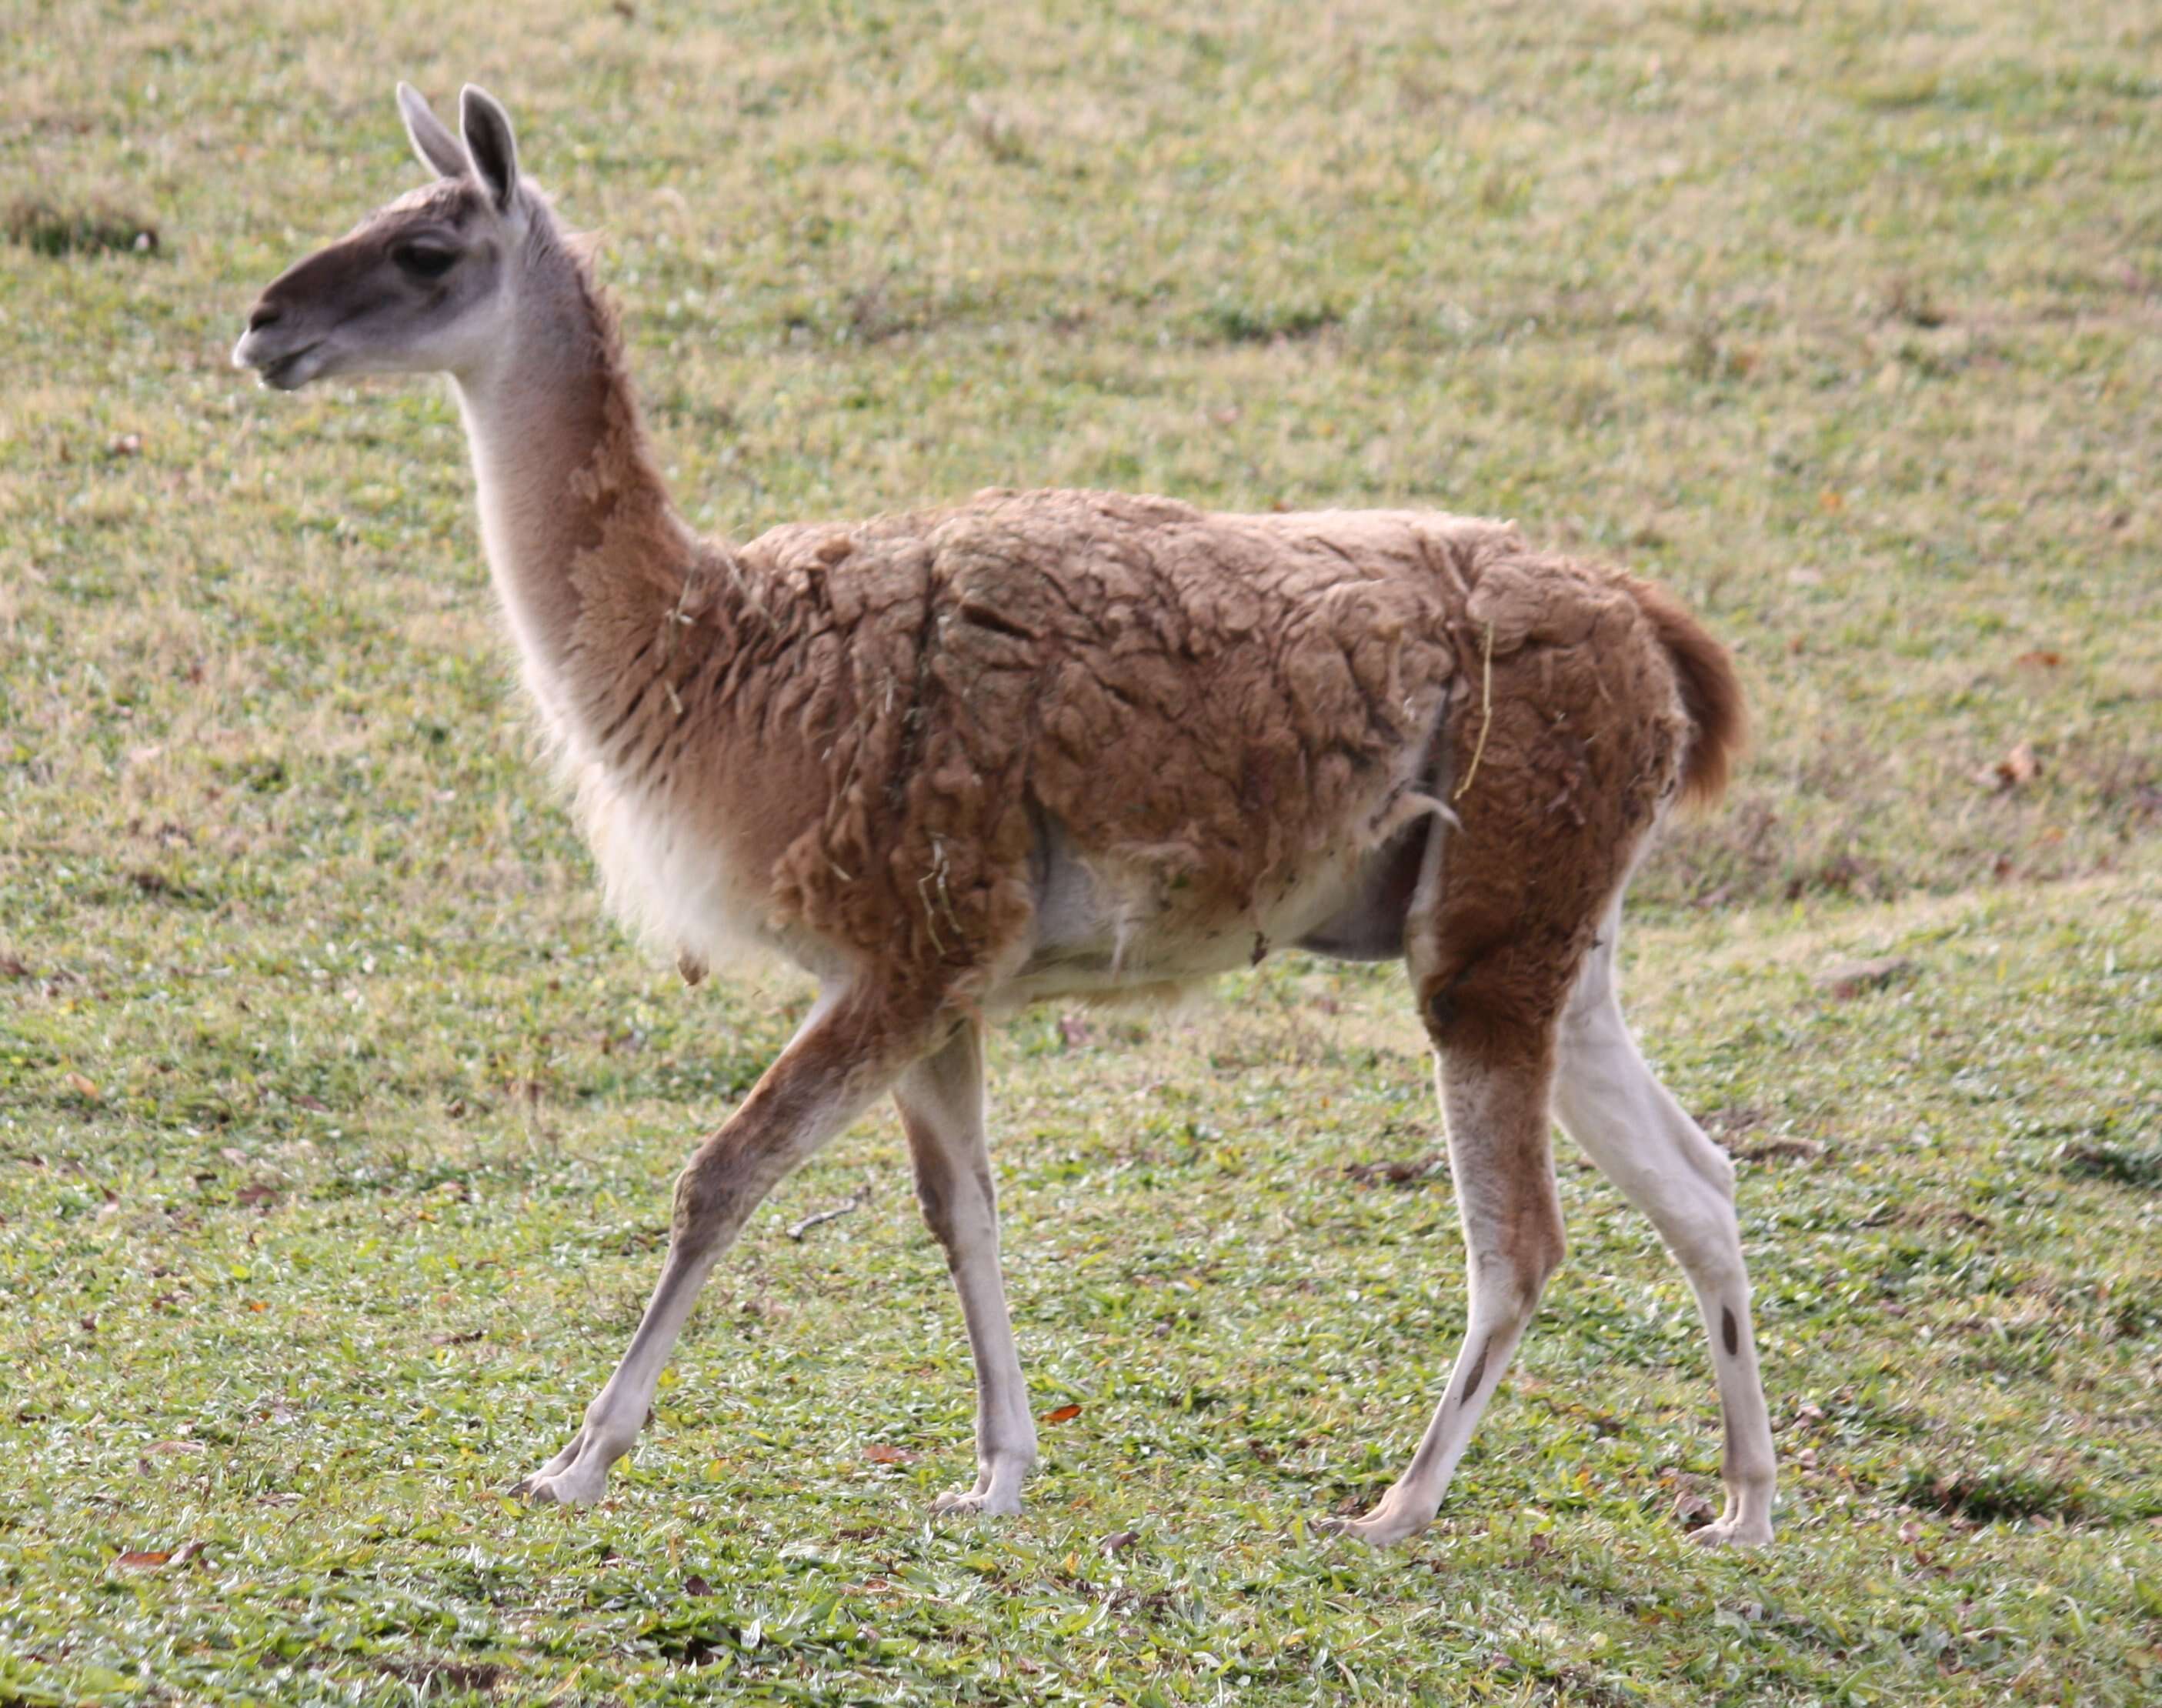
(850,1050)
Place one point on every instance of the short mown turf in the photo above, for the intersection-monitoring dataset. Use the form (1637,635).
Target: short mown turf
(336,1125)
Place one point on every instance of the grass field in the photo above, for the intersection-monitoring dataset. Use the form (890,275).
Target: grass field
(336,1123)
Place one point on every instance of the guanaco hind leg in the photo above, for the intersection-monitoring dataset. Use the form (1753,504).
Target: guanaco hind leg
(1495,1110)
(1612,1104)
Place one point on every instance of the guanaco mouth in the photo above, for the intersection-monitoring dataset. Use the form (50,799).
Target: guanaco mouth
(278,372)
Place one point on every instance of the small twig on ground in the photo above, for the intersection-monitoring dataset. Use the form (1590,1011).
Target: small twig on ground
(1396,1174)
(856,1200)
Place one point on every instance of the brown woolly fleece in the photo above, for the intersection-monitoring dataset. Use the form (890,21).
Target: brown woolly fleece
(1217,718)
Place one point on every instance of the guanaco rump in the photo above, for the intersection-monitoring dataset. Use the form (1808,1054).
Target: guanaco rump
(1064,745)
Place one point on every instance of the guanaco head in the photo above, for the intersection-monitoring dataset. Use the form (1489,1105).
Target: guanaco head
(428,284)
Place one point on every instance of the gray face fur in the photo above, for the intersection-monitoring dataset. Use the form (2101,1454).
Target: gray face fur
(424,285)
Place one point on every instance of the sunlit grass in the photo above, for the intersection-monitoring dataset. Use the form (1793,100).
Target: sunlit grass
(335,1125)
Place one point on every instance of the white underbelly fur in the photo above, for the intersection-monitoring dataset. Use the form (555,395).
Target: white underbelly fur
(1097,933)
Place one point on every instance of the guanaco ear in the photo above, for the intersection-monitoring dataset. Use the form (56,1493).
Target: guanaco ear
(440,152)
(488,140)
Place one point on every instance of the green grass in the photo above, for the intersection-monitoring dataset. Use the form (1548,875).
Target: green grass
(336,1125)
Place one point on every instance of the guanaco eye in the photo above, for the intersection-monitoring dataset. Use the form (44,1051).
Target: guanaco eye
(423,260)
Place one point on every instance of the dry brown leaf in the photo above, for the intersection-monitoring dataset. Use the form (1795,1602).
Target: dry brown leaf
(879,1453)
(1062,1414)
(1693,1510)
(2017,769)
(1403,1173)
(142,1559)
(695,1585)
(1118,1539)
(2041,658)
(1844,979)
(83,1086)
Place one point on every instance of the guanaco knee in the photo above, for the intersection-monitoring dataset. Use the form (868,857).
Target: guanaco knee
(1545,1247)
(1534,1249)
(710,1186)
(934,1193)
(944,1192)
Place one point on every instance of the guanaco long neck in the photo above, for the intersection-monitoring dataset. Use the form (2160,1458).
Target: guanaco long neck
(580,534)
